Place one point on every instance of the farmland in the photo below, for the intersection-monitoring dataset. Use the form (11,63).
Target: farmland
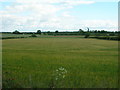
(35,63)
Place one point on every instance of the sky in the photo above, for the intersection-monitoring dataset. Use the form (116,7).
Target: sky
(61,15)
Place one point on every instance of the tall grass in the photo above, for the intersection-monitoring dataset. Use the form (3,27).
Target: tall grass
(32,63)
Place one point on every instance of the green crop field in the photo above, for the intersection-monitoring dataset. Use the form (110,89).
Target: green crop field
(59,62)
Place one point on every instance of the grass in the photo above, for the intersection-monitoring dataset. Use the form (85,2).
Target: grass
(32,63)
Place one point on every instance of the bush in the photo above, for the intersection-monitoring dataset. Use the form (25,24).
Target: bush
(87,35)
(108,37)
(11,37)
(33,35)
(112,34)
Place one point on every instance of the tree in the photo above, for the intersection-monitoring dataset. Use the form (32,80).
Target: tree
(95,31)
(88,29)
(48,31)
(38,31)
(81,31)
(16,32)
(88,33)
(103,31)
(56,31)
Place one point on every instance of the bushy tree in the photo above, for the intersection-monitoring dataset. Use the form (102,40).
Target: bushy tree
(103,31)
(87,33)
(56,31)
(81,31)
(88,29)
(16,32)
(38,31)
(48,31)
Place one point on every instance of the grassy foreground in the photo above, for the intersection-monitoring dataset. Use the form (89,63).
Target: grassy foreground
(60,63)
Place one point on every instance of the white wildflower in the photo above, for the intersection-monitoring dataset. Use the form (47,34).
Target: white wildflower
(60,73)
(56,79)
(63,76)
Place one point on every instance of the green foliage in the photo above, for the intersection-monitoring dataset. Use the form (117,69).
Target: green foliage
(44,33)
(81,31)
(16,32)
(87,35)
(33,35)
(39,32)
(107,37)
(112,34)
(56,31)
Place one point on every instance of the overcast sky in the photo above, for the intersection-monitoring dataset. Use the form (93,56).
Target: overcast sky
(61,15)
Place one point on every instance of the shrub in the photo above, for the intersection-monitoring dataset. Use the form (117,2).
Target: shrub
(33,35)
(87,35)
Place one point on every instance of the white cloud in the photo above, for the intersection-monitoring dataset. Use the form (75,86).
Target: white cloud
(106,0)
(37,14)
(77,2)
(109,25)
(100,23)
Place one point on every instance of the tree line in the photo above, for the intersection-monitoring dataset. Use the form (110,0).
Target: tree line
(100,34)
(79,32)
